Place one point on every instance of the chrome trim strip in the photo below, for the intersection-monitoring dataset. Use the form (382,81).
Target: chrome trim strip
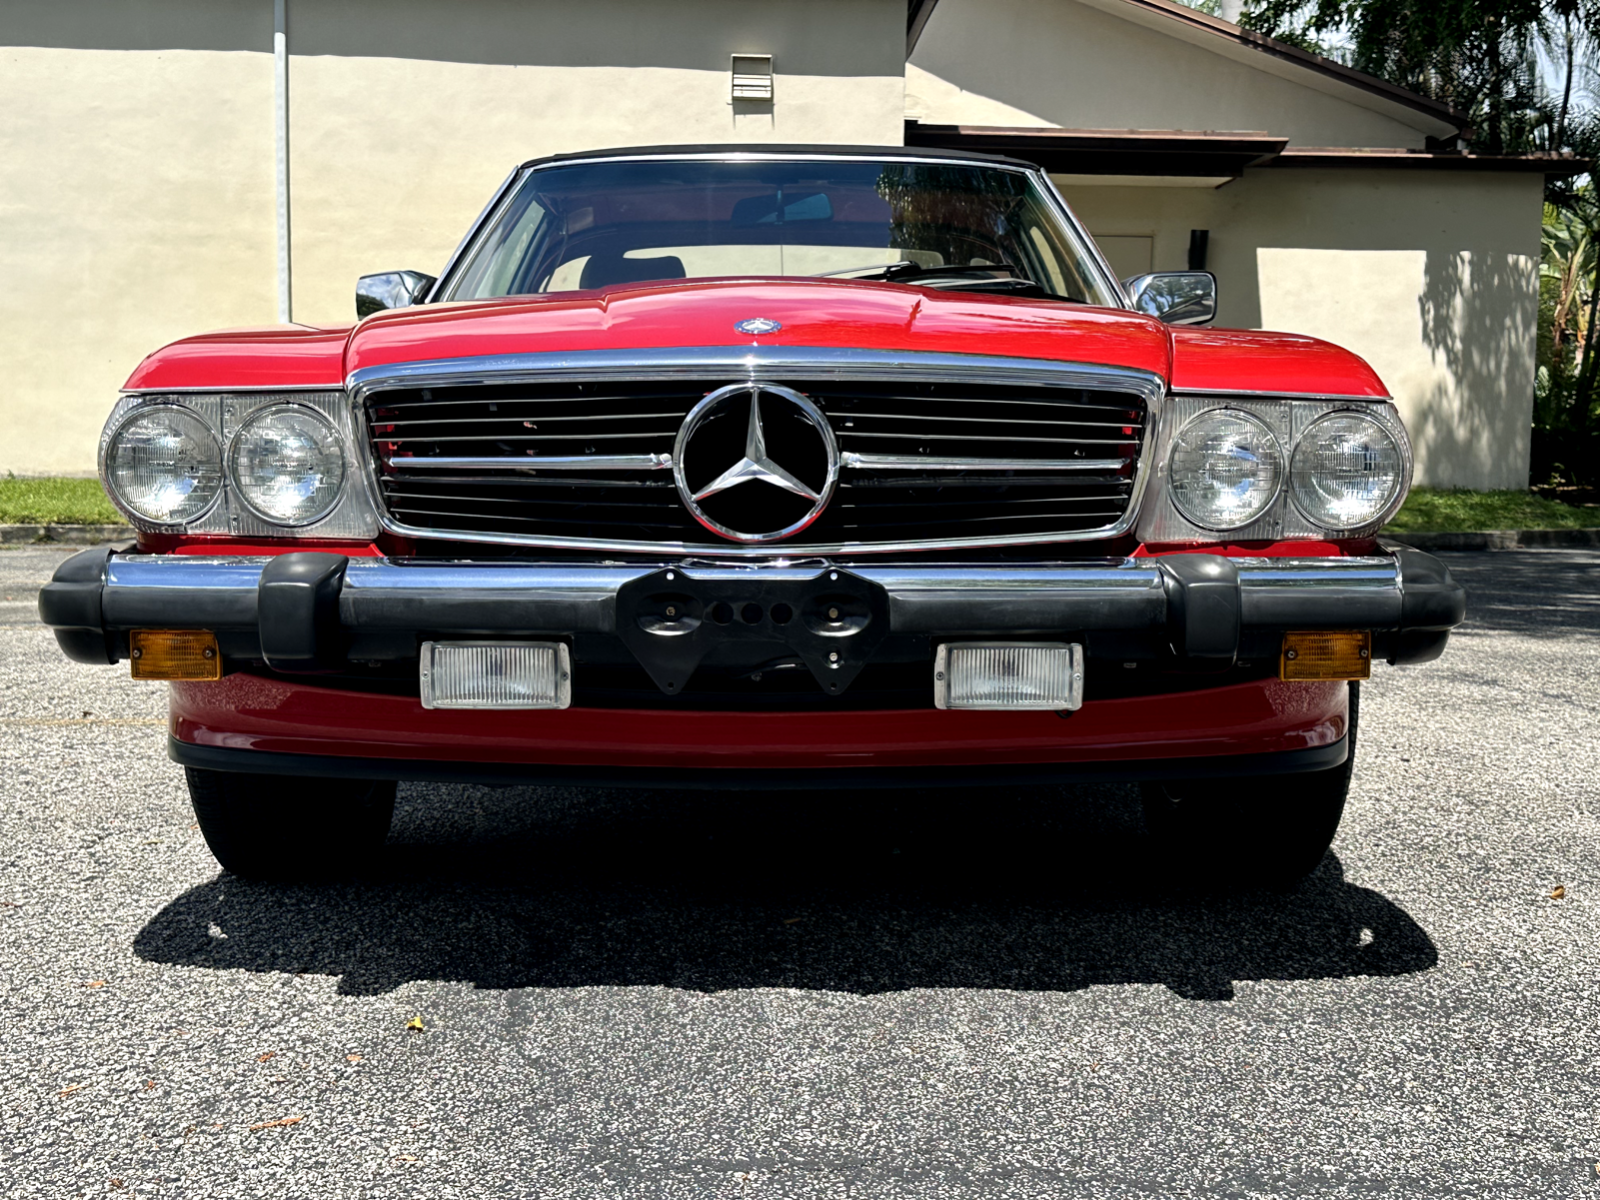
(1310,573)
(1108,277)
(779,154)
(254,389)
(716,362)
(908,584)
(921,462)
(730,364)
(562,462)
(1246,394)
(184,571)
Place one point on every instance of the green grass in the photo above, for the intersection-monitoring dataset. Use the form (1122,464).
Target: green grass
(1453,510)
(55,502)
(1427,510)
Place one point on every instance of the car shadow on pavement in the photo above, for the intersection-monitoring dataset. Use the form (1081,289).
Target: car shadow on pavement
(1023,889)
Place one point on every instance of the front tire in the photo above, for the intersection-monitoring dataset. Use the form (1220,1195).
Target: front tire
(1253,831)
(280,827)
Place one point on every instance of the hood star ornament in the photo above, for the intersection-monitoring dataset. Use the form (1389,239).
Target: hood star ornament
(756,465)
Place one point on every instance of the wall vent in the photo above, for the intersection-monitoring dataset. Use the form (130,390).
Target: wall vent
(752,77)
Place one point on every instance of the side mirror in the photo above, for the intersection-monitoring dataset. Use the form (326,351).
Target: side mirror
(392,289)
(1176,297)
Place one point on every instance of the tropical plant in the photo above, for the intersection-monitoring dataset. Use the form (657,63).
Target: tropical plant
(1482,57)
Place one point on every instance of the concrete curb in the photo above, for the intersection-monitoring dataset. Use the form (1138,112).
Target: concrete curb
(68,535)
(1499,539)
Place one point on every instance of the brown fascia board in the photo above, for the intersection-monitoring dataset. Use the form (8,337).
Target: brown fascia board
(1230,141)
(1182,151)
(1303,58)
(1109,151)
(1343,157)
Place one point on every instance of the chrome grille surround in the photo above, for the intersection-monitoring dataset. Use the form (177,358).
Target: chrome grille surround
(733,364)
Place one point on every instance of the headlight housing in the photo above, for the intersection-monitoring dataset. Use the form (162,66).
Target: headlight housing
(1346,471)
(165,465)
(286,470)
(288,465)
(1224,470)
(1265,468)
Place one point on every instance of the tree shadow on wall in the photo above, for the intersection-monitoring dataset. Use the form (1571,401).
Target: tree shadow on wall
(1038,890)
(1479,320)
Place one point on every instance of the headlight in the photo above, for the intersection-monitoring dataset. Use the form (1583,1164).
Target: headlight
(1225,469)
(164,464)
(1346,470)
(288,465)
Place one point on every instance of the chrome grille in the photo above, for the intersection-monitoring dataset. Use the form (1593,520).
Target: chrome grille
(929,463)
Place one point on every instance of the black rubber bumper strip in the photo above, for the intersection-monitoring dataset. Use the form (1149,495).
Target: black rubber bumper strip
(303,611)
(71,605)
(1283,762)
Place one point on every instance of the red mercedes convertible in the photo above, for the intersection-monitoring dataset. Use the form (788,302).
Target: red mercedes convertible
(760,467)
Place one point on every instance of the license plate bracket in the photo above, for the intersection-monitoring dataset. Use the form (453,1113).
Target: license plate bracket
(832,621)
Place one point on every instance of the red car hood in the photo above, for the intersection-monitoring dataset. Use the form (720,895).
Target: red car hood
(878,316)
(813,312)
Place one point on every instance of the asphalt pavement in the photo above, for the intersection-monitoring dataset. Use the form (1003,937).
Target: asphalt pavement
(973,994)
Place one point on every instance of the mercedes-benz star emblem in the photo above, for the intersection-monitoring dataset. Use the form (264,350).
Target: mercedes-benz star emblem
(734,484)
(758,325)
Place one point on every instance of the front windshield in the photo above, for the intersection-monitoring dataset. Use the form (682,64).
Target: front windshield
(946,225)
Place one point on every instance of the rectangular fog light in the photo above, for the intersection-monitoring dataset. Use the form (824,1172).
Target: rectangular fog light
(1047,675)
(1329,654)
(495,675)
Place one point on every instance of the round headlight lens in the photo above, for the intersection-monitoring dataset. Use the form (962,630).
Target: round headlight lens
(288,465)
(1225,469)
(1346,470)
(164,464)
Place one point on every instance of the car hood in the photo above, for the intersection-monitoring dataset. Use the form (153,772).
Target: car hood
(836,313)
(843,313)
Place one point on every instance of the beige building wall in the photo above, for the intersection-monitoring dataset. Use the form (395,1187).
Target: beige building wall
(1429,276)
(408,113)
(1087,64)
(136,206)
(137,181)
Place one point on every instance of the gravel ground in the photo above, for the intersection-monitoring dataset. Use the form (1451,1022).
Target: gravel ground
(659,996)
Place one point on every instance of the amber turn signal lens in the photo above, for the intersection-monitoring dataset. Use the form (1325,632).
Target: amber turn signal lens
(174,654)
(1340,654)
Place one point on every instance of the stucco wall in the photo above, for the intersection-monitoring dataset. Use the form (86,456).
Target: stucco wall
(136,152)
(136,206)
(1431,277)
(408,113)
(1061,62)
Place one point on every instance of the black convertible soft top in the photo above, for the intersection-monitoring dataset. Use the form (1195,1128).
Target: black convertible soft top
(779,150)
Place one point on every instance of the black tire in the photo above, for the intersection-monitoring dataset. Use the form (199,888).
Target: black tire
(281,827)
(1254,831)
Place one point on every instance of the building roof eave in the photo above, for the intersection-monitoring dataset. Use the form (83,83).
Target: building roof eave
(1181,152)
(1228,32)
(917,14)
(1109,151)
(1344,157)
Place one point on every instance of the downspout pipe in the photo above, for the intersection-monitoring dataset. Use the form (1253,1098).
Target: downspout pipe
(280,104)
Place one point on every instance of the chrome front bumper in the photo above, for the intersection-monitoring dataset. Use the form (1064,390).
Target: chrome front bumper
(306,611)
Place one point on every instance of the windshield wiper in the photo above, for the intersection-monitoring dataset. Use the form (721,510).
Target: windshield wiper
(1007,287)
(904,269)
(1015,283)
